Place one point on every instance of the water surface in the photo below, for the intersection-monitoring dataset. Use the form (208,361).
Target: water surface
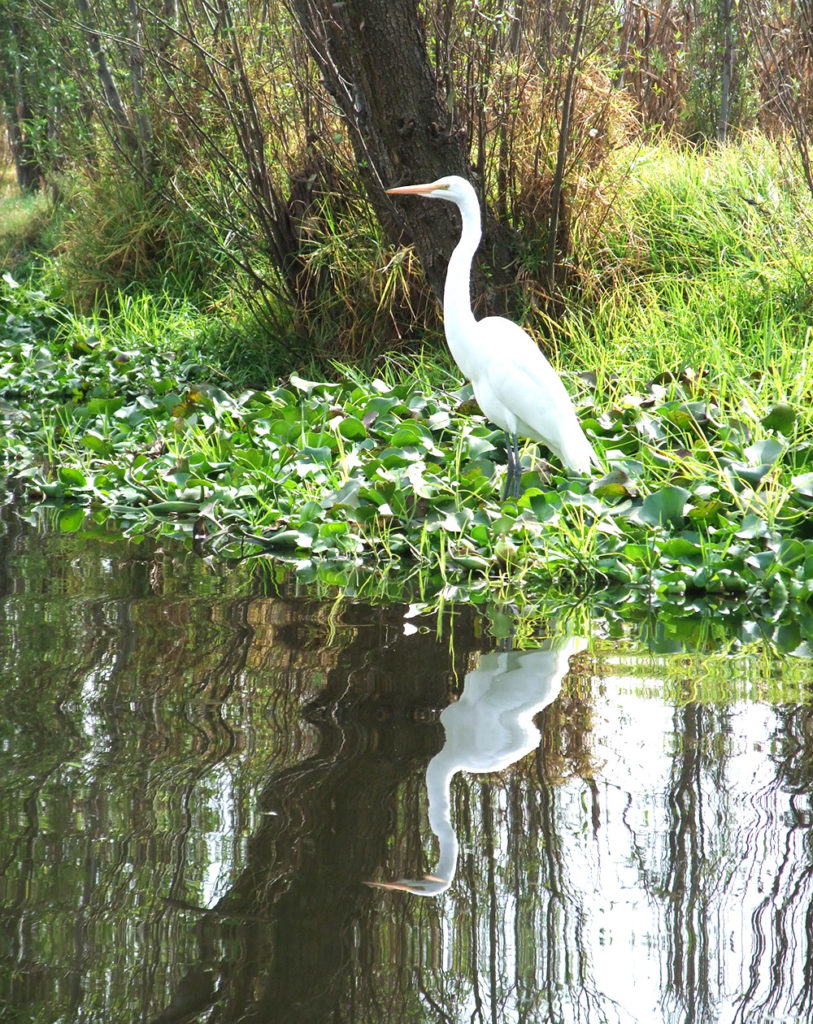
(204,766)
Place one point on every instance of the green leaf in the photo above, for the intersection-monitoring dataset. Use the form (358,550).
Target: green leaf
(702,511)
(664,507)
(639,554)
(71,477)
(803,489)
(410,434)
(310,511)
(764,452)
(166,508)
(301,538)
(456,522)
(682,549)
(97,444)
(615,484)
(71,519)
(105,406)
(474,562)
(781,417)
(347,494)
(353,429)
(308,386)
(790,552)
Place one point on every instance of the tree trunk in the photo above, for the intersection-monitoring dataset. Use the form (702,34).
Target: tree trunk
(727,18)
(119,126)
(29,172)
(373,60)
(556,195)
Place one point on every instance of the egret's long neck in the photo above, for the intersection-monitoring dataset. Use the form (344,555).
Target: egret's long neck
(457,314)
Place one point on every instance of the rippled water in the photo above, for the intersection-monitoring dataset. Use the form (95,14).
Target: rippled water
(223,798)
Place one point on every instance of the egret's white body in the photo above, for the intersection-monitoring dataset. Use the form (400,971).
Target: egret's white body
(513,382)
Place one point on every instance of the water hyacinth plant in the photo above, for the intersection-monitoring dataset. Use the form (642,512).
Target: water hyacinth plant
(385,472)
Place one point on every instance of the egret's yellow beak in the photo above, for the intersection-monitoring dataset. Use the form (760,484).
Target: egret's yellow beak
(414,190)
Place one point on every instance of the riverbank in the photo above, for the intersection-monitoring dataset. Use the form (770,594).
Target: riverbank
(690,372)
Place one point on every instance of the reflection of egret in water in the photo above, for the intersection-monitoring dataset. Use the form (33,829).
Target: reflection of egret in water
(489,728)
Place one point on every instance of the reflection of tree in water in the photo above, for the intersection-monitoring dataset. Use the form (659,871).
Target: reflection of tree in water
(780,973)
(165,711)
(690,864)
(286,942)
(567,961)
(730,844)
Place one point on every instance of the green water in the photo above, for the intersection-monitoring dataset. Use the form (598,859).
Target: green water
(202,766)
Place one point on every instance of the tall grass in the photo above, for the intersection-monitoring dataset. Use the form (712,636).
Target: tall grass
(706,265)
(22,220)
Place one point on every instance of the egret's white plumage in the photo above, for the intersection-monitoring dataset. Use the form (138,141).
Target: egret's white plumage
(513,382)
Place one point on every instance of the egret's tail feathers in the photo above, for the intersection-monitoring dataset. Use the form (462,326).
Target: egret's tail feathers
(577,453)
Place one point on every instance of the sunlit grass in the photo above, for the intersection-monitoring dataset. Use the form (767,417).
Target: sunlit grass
(707,265)
(22,219)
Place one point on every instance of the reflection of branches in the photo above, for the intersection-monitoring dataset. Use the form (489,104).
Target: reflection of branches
(563,940)
(683,884)
(285,934)
(782,921)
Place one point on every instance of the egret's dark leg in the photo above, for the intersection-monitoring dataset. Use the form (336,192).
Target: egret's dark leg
(509,454)
(512,477)
(517,467)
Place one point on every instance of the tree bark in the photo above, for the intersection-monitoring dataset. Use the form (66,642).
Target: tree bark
(20,97)
(726,16)
(121,129)
(373,60)
(561,154)
(29,171)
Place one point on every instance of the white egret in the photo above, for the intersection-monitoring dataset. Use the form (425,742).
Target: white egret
(513,382)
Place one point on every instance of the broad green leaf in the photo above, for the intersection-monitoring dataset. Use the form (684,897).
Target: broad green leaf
(664,507)
(682,549)
(166,508)
(352,428)
(347,494)
(310,511)
(308,386)
(803,488)
(71,477)
(475,562)
(96,443)
(781,417)
(106,406)
(703,511)
(764,452)
(456,522)
(71,519)
(639,554)
(615,484)
(410,434)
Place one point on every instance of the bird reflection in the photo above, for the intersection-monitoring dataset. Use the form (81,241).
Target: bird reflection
(489,728)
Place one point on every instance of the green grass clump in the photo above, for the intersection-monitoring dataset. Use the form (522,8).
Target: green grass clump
(705,266)
(685,211)
(23,218)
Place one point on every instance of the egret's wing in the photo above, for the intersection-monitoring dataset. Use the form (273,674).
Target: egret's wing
(522,391)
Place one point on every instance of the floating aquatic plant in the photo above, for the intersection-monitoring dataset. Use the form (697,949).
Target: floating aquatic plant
(697,503)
